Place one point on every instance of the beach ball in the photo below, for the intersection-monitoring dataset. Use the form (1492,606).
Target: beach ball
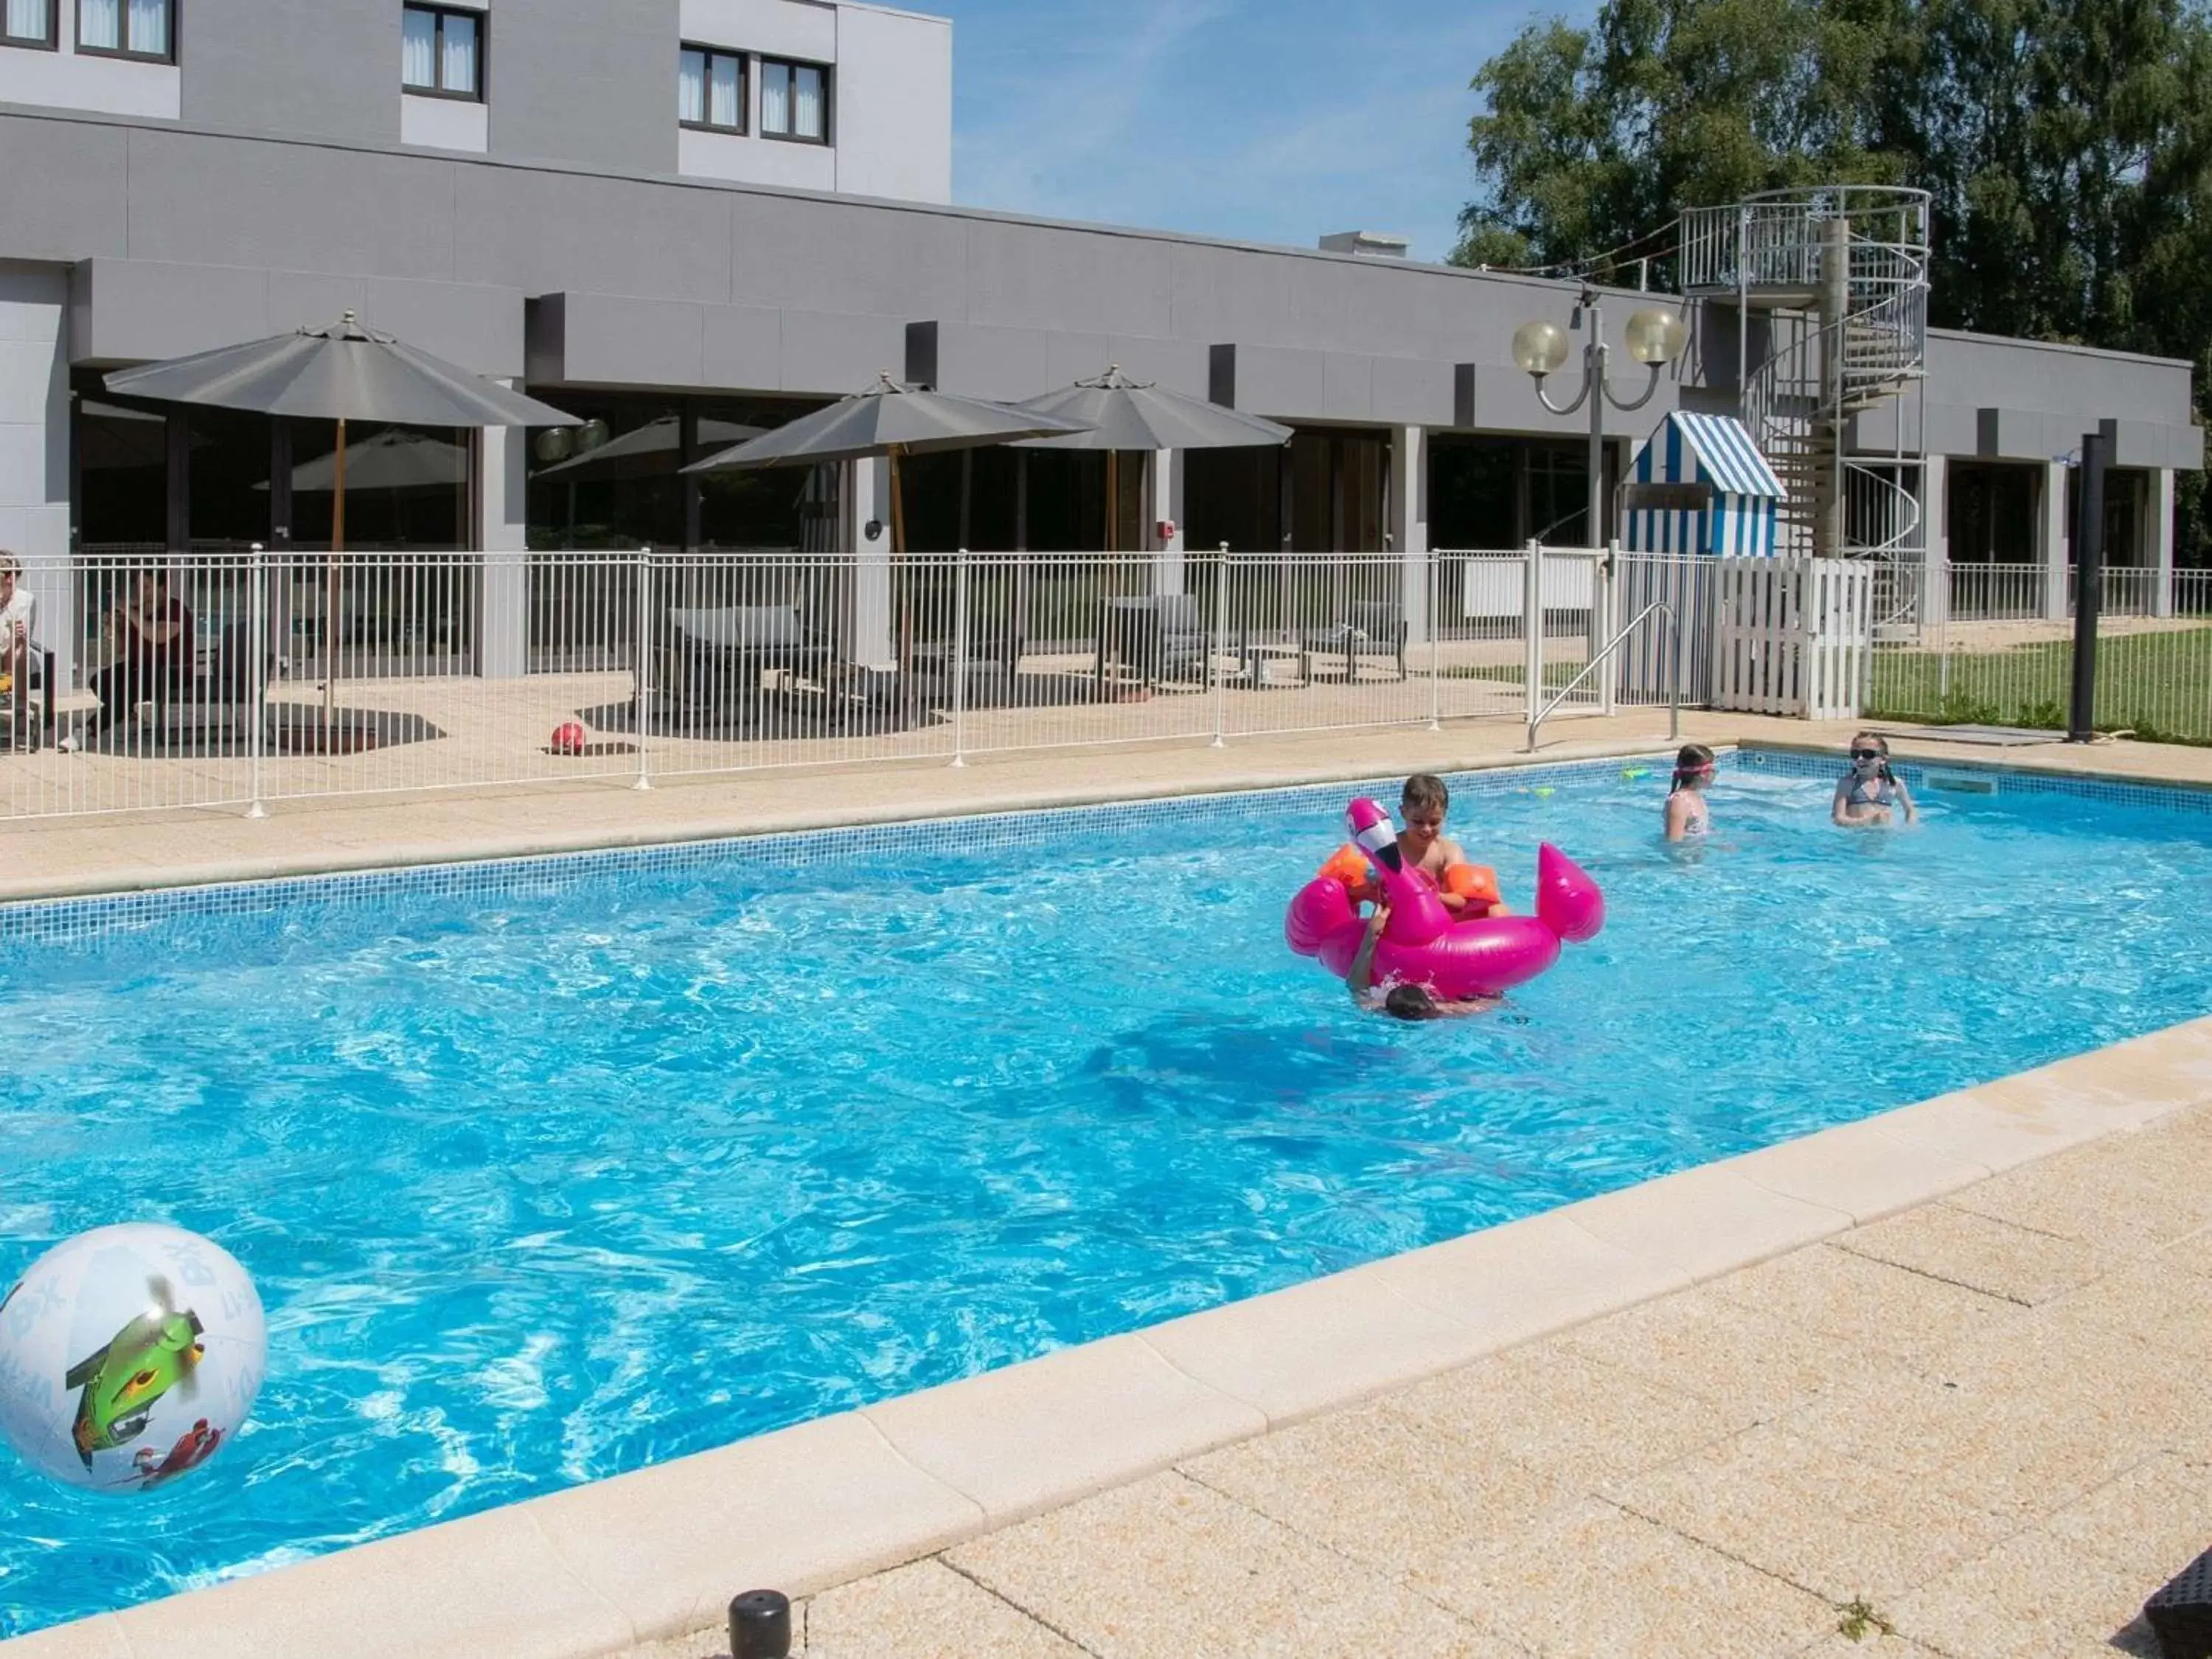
(568,738)
(129,1356)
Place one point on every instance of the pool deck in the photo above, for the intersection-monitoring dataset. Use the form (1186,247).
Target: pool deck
(1946,1361)
(54,856)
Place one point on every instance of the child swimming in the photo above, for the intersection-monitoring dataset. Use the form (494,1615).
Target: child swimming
(1688,814)
(1869,795)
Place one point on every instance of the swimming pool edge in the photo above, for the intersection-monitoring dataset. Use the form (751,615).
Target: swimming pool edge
(656,1553)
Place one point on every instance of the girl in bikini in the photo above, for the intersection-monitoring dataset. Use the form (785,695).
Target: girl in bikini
(1870,795)
(1689,815)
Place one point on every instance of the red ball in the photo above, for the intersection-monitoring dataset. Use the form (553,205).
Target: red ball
(568,738)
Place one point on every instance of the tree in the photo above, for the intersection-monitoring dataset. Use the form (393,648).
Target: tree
(2067,145)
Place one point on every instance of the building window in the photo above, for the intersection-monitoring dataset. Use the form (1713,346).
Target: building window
(126,29)
(710,89)
(794,101)
(441,51)
(28,23)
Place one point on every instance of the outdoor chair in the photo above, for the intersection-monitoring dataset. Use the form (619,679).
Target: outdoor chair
(26,711)
(1371,629)
(218,701)
(1155,638)
(711,660)
(996,645)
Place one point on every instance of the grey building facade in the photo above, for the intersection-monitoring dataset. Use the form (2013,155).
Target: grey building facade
(575,228)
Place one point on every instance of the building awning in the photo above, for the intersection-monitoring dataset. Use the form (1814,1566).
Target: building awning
(1712,449)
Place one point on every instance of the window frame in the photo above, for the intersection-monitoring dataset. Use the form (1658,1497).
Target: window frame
(123,24)
(53,40)
(744,126)
(829,138)
(440,12)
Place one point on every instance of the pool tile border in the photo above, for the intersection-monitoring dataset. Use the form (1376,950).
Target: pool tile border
(85,918)
(654,1554)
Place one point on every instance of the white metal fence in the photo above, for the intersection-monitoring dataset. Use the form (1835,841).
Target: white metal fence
(1994,644)
(225,678)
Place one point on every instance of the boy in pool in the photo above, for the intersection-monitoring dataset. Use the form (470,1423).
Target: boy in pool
(1403,1001)
(1423,846)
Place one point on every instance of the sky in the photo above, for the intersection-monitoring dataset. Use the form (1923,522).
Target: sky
(1265,120)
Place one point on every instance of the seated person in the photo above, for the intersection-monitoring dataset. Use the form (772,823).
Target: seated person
(1403,1001)
(19,621)
(1869,795)
(149,634)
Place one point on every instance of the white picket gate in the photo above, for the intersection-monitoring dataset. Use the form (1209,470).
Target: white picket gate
(1792,636)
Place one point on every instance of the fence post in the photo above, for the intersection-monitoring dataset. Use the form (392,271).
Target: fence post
(959,658)
(1607,575)
(642,671)
(1532,628)
(257,675)
(1220,642)
(1436,681)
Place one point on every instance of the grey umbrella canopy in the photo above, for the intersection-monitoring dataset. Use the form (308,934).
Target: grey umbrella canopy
(892,420)
(889,420)
(1125,414)
(651,450)
(340,372)
(393,459)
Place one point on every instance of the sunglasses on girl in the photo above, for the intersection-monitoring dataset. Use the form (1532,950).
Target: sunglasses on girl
(1866,754)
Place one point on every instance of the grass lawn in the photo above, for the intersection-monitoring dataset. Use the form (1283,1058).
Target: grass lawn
(2157,685)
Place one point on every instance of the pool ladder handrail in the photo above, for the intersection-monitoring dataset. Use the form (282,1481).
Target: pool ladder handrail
(1540,714)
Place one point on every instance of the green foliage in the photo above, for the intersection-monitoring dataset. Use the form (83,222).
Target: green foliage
(1860,1622)
(2067,145)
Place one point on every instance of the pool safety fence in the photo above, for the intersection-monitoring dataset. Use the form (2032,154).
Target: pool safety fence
(1993,644)
(224,678)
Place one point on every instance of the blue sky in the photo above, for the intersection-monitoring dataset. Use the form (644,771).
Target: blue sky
(1274,120)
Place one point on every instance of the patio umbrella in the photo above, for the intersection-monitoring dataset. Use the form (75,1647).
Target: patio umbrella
(1120,413)
(340,372)
(652,449)
(889,420)
(396,460)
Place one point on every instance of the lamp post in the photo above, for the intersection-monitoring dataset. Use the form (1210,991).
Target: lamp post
(1655,338)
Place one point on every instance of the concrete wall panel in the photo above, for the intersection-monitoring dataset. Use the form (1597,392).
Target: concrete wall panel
(200,200)
(593,84)
(742,347)
(317,68)
(888,262)
(892,104)
(1006,364)
(785,27)
(64,188)
(1413,392)
(546,232)
(1038,276)
(829,354)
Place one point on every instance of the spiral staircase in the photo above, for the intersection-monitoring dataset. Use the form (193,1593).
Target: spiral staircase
(1826,289)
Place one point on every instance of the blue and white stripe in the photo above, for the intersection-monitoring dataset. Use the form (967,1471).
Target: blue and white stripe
(1713,450)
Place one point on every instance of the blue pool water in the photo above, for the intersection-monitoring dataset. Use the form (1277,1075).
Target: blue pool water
(595,1165)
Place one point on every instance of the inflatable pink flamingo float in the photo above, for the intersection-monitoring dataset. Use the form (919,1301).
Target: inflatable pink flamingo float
(1422,944)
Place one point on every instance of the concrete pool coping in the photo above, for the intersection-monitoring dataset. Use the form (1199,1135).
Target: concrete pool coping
(656,1553)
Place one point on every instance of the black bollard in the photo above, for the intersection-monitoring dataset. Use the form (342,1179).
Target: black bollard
(2089,581)
(760,1626)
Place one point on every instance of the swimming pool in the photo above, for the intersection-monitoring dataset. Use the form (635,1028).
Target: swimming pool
(549,1172)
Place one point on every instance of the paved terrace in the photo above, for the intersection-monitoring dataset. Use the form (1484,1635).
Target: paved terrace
(1976,1428)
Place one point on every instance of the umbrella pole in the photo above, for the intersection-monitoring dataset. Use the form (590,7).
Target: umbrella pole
(898,568)
(331,590)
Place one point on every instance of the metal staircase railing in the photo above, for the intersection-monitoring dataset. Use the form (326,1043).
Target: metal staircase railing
(1830,344)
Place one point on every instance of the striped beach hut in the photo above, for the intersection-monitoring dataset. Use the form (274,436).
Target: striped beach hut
(1699,485)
